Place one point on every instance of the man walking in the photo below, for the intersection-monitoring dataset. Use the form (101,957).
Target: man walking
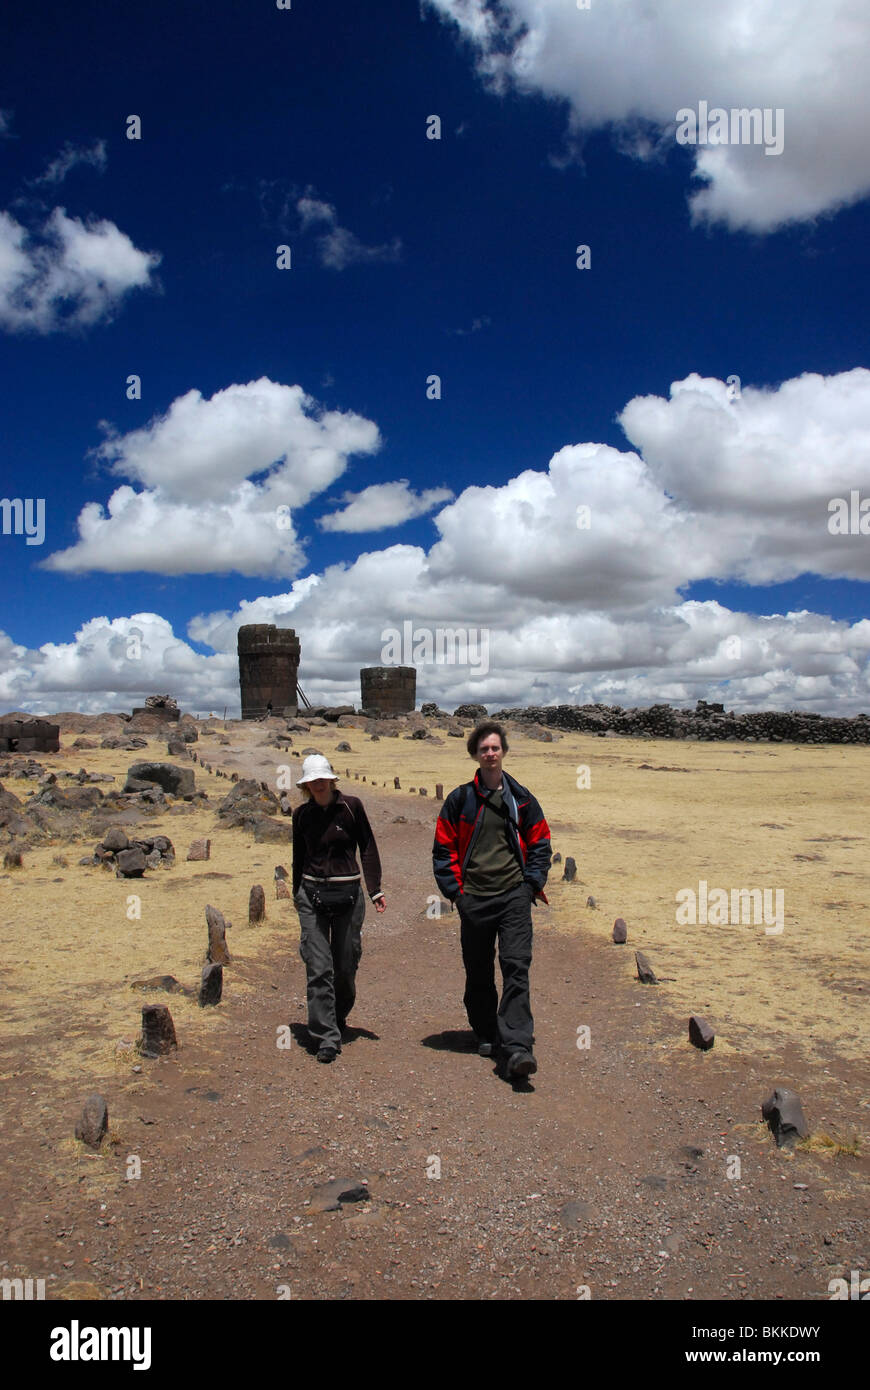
(491,858)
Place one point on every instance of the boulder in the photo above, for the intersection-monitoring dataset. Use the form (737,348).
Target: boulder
(246,799)
(177,781)
(131,862)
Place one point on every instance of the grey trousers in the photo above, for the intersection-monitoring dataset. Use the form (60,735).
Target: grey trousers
(331,950)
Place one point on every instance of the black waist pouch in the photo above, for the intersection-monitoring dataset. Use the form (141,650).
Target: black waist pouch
(333,899)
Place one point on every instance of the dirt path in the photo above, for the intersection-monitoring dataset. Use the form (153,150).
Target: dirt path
(609,1172)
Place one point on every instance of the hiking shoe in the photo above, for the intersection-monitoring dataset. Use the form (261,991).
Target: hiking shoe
(327,1054)
(521,1064)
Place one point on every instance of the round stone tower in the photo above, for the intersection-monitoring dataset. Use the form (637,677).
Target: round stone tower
(388,689)
(268,668)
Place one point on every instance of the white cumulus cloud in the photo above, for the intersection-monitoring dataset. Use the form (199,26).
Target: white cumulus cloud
(383,505)
(68,275)
(220,479)
(631,66)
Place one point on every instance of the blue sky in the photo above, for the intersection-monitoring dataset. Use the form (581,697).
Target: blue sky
(269,397)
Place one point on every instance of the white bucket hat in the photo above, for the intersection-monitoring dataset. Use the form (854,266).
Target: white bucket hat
(315,767)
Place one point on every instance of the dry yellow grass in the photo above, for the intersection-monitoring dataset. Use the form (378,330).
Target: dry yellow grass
(639,835)
(68,949)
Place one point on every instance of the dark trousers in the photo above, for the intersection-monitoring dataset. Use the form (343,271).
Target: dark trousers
(331,949)
(506,918)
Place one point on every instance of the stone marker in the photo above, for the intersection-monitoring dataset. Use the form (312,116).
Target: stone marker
(396,784)
(591,902)
(212,984)
(158,1031)
(280,871)
(217,941)
(343,747)
(785,1117)
(423,791)
(620,932)
(644,970)
(557,858)
(700,1033)
(256,905)
(199,850)
(12,859)
(570,871)
(281,888)
(439,791)
(93,1122)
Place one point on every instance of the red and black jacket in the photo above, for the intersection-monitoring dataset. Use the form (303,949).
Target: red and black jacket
(458,827)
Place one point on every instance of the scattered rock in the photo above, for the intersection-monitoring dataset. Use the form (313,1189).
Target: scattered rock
(256,905)
(328,1196)
(281,889)
(199,850)
(115,839)
(570,871)
(343,747)
(178,781)
(168,983)
(620,932)
(130,863)
(591,902)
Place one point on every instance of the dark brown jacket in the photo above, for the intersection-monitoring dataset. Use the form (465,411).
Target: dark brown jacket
(326,840)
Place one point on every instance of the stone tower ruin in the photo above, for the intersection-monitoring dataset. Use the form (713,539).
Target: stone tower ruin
(388,689)
(268,669)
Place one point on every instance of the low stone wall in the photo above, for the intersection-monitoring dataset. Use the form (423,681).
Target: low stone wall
(707,722)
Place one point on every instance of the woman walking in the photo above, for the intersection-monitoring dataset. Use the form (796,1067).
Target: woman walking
(328,829)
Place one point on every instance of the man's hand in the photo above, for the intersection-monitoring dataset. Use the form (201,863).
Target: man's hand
(381,904)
